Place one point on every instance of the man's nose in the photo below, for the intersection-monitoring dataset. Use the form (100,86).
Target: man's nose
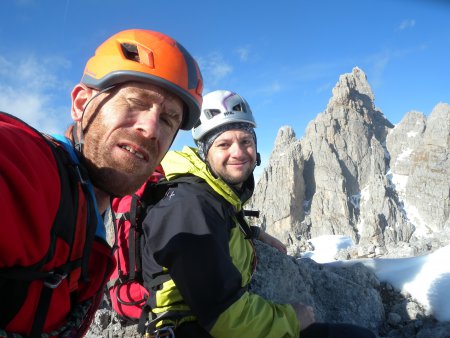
(148,122)
(236,149)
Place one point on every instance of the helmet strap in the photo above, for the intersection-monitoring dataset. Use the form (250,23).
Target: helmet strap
(79,142)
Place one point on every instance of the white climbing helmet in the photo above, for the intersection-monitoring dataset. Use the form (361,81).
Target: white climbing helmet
(219,108)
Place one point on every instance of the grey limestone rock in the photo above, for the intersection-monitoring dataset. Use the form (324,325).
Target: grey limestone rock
(283,190)
(354,173)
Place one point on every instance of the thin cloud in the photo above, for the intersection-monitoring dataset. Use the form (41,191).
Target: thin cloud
(274,87)
(214,68)
(378,62)
(28,88)
(406,24)
(243,53)
(325,87)
(310,72)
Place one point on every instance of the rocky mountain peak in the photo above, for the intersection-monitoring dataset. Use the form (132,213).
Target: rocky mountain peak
(354,173)
(285,135)
(352,87)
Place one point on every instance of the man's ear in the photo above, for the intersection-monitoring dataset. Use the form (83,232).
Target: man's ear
(80,96)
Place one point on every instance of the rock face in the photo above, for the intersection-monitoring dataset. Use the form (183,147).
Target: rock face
(420,166)
(354,173)
(338,295)
(284,215)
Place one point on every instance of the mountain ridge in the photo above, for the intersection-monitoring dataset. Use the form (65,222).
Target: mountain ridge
(354,173)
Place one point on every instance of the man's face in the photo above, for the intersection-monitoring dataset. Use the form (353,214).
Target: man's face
(127,133)
(232,156)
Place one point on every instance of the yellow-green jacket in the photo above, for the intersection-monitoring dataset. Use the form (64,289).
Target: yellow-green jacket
(194,234)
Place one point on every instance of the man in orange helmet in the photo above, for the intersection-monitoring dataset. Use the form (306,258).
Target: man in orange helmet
(136,92)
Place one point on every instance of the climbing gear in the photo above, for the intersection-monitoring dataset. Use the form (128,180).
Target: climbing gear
(222,107)
(222,110)
(163,332)
(75,224)
(127,293)
(152,57)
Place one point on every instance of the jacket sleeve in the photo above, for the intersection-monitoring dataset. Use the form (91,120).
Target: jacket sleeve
(29,195)
(188,233)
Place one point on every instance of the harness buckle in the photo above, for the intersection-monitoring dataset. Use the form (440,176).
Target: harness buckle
(163,332)
(54,279)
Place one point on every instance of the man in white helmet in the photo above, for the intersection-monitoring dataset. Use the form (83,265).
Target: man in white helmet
(198,242)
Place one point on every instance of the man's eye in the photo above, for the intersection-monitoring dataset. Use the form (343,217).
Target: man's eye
(171,120)
(167,120)
(136,103)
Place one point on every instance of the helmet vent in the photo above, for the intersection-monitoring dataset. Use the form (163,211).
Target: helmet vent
(138,54)
(210,113)
(239,107)
(130,51)
(198,123)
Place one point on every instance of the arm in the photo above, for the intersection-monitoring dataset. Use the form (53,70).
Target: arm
(272,241)
(305,315)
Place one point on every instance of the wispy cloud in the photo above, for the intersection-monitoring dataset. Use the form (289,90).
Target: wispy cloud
(406,24)
(214,68)
(272,88)
(378,62)
(30,89)
(243,53)
(324,87)
(311,71)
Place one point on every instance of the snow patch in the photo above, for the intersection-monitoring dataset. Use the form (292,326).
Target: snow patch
(426,278)
(416,219)
(327,246)
(399,182)
(404,155)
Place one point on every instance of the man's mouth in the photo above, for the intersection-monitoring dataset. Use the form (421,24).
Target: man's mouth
(133,151)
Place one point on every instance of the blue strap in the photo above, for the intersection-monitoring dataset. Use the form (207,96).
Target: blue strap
(65,142)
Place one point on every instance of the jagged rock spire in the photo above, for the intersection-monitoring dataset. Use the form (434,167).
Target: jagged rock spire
(343,167)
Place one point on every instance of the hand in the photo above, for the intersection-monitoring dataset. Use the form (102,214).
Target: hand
(305,315)
(272,241)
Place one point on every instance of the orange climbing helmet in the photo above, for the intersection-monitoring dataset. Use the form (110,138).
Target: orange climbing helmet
(148,56)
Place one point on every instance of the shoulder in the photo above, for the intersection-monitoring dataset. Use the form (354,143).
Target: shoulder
(186,207)
(29,189)
(191,194)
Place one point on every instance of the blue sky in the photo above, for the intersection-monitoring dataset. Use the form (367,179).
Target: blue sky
(283,56)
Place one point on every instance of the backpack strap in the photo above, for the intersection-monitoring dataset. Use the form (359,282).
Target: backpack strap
(71,217)
(69,225)
(134,238)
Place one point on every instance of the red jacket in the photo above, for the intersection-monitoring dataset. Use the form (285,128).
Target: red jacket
(29,199)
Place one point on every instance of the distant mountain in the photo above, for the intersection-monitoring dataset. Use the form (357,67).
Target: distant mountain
(354,173)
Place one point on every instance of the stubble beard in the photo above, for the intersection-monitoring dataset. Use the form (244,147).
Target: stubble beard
(232,180)
(113,177)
